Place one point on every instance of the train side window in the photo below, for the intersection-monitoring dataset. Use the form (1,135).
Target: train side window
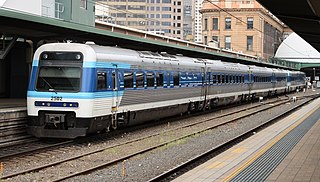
(128,79)
(101,80)
(227,78)
(139,80)
(237,79)
(159,79)
(214,79)
(219,79)
(150,79)
(176,79)
(223,79)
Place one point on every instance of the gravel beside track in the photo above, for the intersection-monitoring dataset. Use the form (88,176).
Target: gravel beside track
(142,167)
(147,166)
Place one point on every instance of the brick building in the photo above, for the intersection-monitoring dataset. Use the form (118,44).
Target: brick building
(243,26)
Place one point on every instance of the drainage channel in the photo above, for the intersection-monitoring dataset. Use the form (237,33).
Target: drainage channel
(264,165)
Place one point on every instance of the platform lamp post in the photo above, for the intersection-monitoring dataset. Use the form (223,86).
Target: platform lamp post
(314,78)
(314,74)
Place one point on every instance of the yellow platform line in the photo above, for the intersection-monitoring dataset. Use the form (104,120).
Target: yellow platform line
(279,137)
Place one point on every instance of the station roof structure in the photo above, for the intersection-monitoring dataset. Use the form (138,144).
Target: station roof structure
(38,28)
(302,16)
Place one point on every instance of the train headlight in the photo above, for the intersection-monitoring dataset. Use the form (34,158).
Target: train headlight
(45,56)
(56,104)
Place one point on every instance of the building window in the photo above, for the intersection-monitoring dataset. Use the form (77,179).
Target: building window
(216,39)
(228,23)
(215,24)
(206,24)
(249,23)
(227,44)
(83,4)
(205,40)
(249,43)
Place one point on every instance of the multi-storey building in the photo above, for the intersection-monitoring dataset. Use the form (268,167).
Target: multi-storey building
(76,11)
(168,17)
(243,26)
(198,21)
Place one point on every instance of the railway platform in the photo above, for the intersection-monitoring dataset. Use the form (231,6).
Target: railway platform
(288,150)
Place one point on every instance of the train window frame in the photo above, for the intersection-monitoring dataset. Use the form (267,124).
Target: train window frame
(125,86)
(218,79)
(214,79)
(159,83)
(223,79)
(150,80)
(136,81)
(176,79)
(101,84)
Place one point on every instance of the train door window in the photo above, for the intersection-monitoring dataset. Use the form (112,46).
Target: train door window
(114,81)
(140,80)
(209,78)
(176,79)
(159,79)
(150,79)
(101,80)
(128,79)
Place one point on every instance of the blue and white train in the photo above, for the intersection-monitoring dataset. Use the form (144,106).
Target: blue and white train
(77,89)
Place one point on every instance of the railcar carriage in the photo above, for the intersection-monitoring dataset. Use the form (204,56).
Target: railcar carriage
(77,89)
(296,80)
(227,82)
(261,81)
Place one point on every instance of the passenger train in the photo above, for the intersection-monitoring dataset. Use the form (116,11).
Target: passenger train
(77,89)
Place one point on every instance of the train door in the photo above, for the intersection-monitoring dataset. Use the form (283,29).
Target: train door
(204,87)
(115,95)
(250,81)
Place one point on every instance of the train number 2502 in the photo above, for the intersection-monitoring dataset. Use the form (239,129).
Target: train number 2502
(56,98)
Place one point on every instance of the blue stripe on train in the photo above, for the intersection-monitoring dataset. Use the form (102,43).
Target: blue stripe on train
(79,95)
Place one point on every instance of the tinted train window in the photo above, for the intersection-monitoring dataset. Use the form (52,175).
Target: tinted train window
(159,79)
(219,78)
(139,80)
(168,79)
(128,79)
(214,79)
(176,79)
(150,79)
(101,81)
(223,79)
(59,78)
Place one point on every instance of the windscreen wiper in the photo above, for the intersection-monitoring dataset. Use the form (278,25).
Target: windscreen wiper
(51,87)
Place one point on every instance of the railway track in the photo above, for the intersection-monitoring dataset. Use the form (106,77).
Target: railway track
(24,144)
(153,142)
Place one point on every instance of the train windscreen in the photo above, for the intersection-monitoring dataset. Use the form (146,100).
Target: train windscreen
(59,71)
